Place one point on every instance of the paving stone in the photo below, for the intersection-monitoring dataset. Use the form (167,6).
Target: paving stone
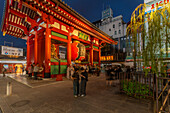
(58,98)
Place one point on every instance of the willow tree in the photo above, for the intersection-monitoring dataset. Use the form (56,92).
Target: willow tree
(155,34)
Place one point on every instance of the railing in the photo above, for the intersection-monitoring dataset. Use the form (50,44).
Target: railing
(139,85)
(162,95)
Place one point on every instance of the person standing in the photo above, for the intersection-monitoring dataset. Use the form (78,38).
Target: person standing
(16,69)
(36,70)
(75,78)
(3,71)
(84,79)
(98,71)
(70,71)
(23,68)
(30,70)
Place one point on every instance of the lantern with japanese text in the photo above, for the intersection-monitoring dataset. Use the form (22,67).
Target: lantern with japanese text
(78,51)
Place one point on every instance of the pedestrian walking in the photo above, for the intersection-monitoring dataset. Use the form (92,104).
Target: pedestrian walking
(3,71)
(84,79)
(75,78)
(30,70)
(36,70)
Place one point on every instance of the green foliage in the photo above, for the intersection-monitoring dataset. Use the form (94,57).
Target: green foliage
(154,29)
(136,89)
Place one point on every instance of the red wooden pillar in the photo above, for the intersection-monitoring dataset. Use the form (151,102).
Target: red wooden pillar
(35,47)
(99,55)
(91,53)
(69,50)
(28,52)
(47,51)
(69,46)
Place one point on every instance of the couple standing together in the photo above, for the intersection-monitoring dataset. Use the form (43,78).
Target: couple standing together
(76,77)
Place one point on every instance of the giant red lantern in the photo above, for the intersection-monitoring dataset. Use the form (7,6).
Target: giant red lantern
(78,51)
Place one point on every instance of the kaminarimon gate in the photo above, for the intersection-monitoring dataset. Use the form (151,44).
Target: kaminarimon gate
(55,34)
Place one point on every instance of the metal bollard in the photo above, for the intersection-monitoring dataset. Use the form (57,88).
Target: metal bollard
(9,89)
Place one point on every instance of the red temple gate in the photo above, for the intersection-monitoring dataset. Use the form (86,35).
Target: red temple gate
(50,27)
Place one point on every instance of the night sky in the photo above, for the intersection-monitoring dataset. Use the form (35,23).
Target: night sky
(91,9)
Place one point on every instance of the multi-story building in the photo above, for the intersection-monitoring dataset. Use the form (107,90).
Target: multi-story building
(116,28)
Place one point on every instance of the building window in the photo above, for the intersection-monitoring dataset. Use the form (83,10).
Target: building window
(109,29)
(115,32)
(119,31)
(113,25)
(119,24)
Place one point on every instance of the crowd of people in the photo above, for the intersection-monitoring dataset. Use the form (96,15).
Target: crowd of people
(112,72)
(34,70)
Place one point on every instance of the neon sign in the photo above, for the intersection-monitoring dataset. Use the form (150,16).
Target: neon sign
(160,3)
(151,6)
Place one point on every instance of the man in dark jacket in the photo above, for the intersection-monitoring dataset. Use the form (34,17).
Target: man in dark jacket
(75,78)
(84,79)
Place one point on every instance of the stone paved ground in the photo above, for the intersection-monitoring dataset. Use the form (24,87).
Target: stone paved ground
(58,98)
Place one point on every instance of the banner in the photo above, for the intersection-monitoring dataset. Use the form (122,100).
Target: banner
(11,51)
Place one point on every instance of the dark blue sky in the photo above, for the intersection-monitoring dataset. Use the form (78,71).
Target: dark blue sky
(92,9)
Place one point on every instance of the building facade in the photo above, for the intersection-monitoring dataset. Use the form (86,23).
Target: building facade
(116,28)
(12,54)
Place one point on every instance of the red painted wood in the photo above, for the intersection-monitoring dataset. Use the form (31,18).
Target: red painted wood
(28,53)
(47,49)
(99,56)
(95,49)
(60,39)
(35,47)
(14,12)
(41,48)
(81,40)
(59,31)
(69,48)
(57,63)
(91,54)
(19,26)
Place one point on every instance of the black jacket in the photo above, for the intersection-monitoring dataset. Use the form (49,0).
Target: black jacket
(76,76)
(85,74)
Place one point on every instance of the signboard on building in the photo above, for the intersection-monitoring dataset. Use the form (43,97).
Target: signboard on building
(107,13)
(81,35)
(151,5)
(107,58)
(11,51)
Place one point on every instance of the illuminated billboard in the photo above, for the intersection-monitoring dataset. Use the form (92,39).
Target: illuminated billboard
(151,5)
(11,51)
